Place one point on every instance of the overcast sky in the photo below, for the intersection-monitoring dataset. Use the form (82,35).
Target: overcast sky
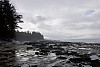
(61,19)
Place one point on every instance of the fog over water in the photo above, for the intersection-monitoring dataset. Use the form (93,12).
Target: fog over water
(84,40)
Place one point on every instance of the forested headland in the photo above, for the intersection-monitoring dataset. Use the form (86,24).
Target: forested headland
(27,36)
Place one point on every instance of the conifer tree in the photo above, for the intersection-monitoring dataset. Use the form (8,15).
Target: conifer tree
(9,20)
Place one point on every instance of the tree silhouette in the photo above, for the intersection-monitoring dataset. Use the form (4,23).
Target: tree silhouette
(9,20)
(27,36)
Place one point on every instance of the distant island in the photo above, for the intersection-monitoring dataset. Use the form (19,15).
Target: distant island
(27,36)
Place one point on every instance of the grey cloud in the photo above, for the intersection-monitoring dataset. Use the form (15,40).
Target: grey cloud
(58,18)
(83,26)
(40,18)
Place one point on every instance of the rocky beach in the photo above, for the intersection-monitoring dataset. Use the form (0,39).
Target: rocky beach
(49,54)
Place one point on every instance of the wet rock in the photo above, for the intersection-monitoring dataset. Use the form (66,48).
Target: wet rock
(29,48)
(3,59)
(61,49)
(70,53)
(61,57)
(30,43)
(45,53)
(95,63)
(58,52)
(78,60)
(80,65)
(44,50)
(50,46)
(3,65)
(34,66)
(84,55)
(74,53)
(68,62)
(65,53)
(55,66)
(37,53)
(94,57)
(8,50)
(16,66)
